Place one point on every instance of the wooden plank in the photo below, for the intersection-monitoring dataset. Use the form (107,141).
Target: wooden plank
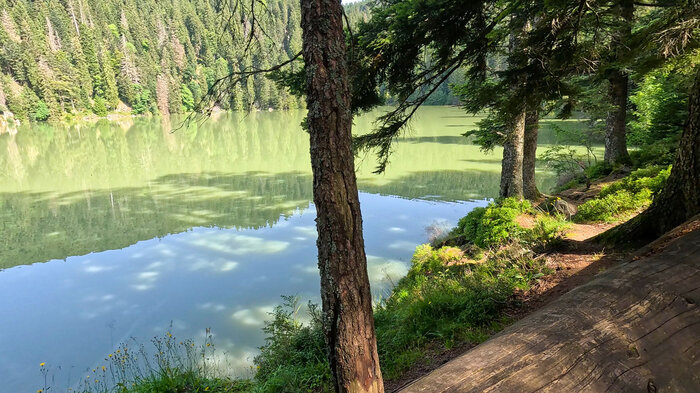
(635,328)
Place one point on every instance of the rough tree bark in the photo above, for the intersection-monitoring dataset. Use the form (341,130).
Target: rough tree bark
(680,198)
(345,293)
(615,133)
(512,164)
(532,119)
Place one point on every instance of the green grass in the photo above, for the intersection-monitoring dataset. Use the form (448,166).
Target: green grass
(634,192)
(170,366)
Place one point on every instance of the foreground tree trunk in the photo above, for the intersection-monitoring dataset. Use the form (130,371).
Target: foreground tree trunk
(512,164)
(680,198)
(532,119)
(615,133)
(345,293)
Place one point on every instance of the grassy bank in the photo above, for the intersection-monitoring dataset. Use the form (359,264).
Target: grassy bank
(457,292)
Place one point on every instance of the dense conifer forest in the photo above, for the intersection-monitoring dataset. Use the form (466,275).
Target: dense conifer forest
(62,58)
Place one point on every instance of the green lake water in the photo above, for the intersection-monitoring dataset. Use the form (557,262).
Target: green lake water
(137,227)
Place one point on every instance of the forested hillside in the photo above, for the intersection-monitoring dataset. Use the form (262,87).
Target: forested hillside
(65,57)
(99,56)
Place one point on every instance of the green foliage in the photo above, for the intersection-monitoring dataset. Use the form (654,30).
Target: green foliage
(142,100)
(40,111)
(173,366)
(293,358)
(187,98)
(100,107)
(494,224)
(68,63)
(635,192)
(661,103)
(444,302)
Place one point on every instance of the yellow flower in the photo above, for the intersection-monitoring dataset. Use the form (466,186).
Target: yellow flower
(42,364)
(40,391)
(110,355)
(103,368)
(208,345)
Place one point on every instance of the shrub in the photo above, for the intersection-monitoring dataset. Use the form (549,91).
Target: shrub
(40,111)
(455,302)
(494,224)
(632,193)
(293,358)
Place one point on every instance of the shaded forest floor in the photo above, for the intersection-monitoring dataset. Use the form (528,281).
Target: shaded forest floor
(576,260)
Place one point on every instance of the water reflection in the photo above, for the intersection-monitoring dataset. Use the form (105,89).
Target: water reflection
(144,225)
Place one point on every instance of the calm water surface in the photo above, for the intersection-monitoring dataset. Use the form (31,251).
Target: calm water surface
(122,229)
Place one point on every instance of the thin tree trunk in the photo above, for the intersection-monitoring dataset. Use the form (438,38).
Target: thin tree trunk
(615,133)
(512,164)
(532,119)
(680,198)
(345,293)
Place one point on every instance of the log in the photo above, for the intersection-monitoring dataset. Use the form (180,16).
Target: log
(634,328)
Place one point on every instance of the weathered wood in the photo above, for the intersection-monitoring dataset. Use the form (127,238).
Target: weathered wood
(635,328)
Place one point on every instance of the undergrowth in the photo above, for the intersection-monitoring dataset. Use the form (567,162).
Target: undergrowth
(632,193)
(450,296)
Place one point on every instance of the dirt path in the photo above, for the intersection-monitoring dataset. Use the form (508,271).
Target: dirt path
(577,261)
(635,326)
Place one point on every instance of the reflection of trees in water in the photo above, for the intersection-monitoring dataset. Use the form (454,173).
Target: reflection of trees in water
(37,227)
(445,185)
(89,188)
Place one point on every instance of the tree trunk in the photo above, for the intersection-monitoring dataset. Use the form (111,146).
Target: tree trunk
(345,293)
(532,119)
(615,133)
(512,164)
(680,198)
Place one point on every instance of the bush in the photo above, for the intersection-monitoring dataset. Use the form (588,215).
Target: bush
(40,111)
(494,224)
(293,358)
(443,301)
(634,192)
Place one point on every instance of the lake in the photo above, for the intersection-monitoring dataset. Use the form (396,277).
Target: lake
(137,227)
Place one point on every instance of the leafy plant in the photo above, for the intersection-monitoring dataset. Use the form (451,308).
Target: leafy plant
(634,192)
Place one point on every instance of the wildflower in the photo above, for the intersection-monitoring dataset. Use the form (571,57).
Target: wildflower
(103,368)
(40,391)
(208,345)
(42,364)
(110,355)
